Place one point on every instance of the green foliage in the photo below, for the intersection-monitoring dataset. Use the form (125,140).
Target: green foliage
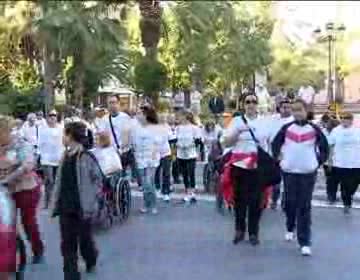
(19,89)
(215,45)
(150,77)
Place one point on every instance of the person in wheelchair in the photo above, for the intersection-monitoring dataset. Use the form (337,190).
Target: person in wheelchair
(107,156)
(114,199)
(213,151)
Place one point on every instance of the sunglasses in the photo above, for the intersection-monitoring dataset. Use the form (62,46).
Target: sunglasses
(252,101)
(346,118)
(52,115)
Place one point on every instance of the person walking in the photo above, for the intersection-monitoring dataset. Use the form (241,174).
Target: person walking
(118,125)
(162,175)
(303,140)
(344,141)
(285,117)
(248,191)
(78,180)
(327,124)
(146,143)
(50,150)
(175,169)
(16,172)
(187,136)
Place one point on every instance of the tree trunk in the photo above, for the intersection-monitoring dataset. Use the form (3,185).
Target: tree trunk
(78,97)
(150,26)
(48,76)
(79,88)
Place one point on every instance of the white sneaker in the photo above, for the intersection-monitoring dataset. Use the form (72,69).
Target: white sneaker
(289,236)
(186,198)
(144,210)
(306,251)
(154,211)
(158,194)
(166,198)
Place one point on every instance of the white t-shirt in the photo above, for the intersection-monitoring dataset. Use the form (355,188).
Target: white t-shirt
(298,153)
(186,135)
(100,124)
(277,123)
(108,160)
(121,123)
(163,132)
(146,142)
(245,143)
(346,147)
(31,133)
(307,94)
(50,145)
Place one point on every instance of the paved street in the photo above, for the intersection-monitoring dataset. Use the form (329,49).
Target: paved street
(194,242)
(319,196)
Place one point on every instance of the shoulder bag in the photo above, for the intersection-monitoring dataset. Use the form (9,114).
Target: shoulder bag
(268,168)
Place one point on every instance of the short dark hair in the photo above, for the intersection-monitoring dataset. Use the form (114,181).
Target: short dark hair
(302,102)
(150,114)
(79,132)
(116,96)
(250,93)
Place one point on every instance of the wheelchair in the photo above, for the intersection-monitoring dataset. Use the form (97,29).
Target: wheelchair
(113,200)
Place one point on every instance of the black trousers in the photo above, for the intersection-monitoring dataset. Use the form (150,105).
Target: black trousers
(332,182)
(76,234)
(187,167)
(298,191)
(349,179)
(162,175)
(248,198)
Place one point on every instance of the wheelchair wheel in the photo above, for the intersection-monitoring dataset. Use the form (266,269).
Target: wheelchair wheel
(123,199)
(104,216)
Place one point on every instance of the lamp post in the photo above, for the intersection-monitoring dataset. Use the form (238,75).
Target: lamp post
(329,35)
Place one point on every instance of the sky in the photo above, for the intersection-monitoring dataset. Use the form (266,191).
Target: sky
(301,18)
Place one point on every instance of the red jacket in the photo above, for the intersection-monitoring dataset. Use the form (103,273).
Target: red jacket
(226,184)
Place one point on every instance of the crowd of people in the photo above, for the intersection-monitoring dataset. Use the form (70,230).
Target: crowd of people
(150,148)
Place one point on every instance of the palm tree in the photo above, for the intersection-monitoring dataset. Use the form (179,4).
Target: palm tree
(87,33)
(150,25)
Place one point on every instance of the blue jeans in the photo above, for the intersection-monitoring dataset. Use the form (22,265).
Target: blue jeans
(147,177)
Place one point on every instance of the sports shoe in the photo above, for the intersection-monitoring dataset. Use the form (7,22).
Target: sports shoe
(306,251)
(166,198)
(186,198)
(289,236)
(144,210)
(347,210)
(154,211)
(254,240)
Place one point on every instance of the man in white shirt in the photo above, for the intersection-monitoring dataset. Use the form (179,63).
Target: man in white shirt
(40,120)
(50,150)
(30,130)
(307,94)
(285,117)
(118,125)
(264,99)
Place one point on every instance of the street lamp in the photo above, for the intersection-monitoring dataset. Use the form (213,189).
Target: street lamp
(329,35)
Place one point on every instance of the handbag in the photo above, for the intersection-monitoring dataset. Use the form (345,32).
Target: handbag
(268,168)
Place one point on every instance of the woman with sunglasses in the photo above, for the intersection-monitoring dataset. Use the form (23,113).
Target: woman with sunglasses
(50,149)
(301,148)
(247,191)
(345,143)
